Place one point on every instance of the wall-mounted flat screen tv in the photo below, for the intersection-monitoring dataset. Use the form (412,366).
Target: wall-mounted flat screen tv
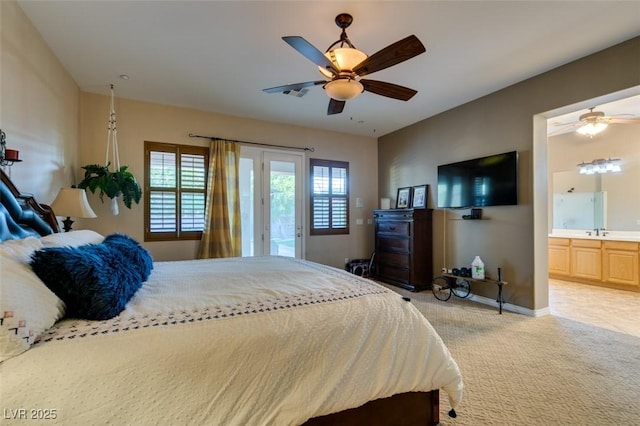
(481,182)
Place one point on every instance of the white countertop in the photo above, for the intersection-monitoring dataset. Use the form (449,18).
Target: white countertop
(633,236)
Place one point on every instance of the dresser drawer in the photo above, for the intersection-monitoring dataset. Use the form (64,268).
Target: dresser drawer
(397,259)
(393,228)
(393,244)
(403,254)
(393,273)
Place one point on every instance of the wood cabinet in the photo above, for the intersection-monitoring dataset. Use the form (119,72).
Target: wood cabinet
(608,263)
(621,262)
(403,247)
(586,259)
(559,256)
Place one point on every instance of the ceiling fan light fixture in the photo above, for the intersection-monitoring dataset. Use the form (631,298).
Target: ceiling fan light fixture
(591,129)
(343,89)
(344,59)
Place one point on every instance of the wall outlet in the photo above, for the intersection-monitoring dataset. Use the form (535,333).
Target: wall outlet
(359,222)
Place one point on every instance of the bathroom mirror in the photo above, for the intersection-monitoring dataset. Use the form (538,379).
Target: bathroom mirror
(580,210)
(610,201)
(621,209)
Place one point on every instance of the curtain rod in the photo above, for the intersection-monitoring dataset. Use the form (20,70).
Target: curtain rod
(191,135)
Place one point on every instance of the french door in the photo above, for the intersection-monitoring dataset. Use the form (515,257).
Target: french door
(271,186)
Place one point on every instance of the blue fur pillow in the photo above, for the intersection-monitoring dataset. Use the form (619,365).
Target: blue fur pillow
(96,281)
(138,256)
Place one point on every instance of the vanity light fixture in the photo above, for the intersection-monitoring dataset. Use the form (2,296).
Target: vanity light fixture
(600,166)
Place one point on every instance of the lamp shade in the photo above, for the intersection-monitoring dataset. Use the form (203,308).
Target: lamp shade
(344,59)
(343,89)
(72,202)
(591,129)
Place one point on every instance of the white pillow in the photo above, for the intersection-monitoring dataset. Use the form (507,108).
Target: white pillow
(20,250)
(72,238)
(27,307)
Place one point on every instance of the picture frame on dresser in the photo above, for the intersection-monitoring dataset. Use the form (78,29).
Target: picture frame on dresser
(403,200)
(419,198)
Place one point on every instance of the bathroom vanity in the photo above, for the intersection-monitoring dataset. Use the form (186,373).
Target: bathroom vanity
(610,259)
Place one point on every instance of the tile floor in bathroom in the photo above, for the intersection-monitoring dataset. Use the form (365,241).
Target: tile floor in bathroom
(616,310)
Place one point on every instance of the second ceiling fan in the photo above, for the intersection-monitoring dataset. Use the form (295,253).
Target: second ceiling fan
(344,66)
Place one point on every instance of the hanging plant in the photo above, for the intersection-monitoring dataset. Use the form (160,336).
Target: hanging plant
(112,184)
(117,183)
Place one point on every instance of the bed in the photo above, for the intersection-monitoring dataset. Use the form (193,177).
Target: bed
(246,341)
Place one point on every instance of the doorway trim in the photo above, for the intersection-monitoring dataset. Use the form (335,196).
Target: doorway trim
(541,193)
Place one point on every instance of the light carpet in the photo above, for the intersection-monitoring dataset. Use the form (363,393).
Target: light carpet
(520,370)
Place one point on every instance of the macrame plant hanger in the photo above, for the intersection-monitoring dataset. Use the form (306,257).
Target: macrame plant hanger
(112,144)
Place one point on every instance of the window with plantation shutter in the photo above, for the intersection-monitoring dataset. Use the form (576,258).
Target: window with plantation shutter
(175,191)
(329,197)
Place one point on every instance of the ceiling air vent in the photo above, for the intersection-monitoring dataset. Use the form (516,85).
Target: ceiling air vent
(297,93)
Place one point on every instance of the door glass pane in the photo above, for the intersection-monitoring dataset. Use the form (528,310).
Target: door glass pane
(247,212)
(282,181)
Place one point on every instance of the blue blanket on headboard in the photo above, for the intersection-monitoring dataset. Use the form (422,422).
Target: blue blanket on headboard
(18,220)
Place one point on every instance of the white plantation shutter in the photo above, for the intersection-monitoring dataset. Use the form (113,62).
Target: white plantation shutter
(162,203)
(193,178)
(329,197)
(175,192)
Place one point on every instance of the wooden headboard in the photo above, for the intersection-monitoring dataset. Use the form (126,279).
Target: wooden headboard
(21,215)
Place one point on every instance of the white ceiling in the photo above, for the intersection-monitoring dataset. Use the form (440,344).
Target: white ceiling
(219,55)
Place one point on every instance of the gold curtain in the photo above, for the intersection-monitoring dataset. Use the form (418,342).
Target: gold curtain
(221,236)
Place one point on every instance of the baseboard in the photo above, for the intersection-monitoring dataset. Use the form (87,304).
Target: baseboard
(509,307)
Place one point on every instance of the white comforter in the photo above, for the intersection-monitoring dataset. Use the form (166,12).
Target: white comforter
(250,341)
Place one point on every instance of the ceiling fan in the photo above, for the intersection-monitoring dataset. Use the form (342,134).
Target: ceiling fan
(344,66)
(593,122)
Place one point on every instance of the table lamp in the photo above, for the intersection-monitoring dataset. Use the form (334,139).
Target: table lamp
(72,202)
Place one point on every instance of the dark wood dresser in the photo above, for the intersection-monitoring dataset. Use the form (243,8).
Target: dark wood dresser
(403,247)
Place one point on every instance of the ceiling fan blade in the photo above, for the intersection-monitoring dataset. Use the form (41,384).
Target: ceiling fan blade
(558,124)
(296,86)
(560,129)
(310,52)
(389,90)
(335,107)
(624,120)
(393,54)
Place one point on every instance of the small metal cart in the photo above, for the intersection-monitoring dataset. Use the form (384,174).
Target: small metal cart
(443,285)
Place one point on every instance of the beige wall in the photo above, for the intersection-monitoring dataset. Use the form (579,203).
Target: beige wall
(500,122)
(623,189)
(57,129)
(41,109)
(142,121)
(38,109)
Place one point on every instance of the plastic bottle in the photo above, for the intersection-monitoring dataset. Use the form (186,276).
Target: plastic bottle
(477,268)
